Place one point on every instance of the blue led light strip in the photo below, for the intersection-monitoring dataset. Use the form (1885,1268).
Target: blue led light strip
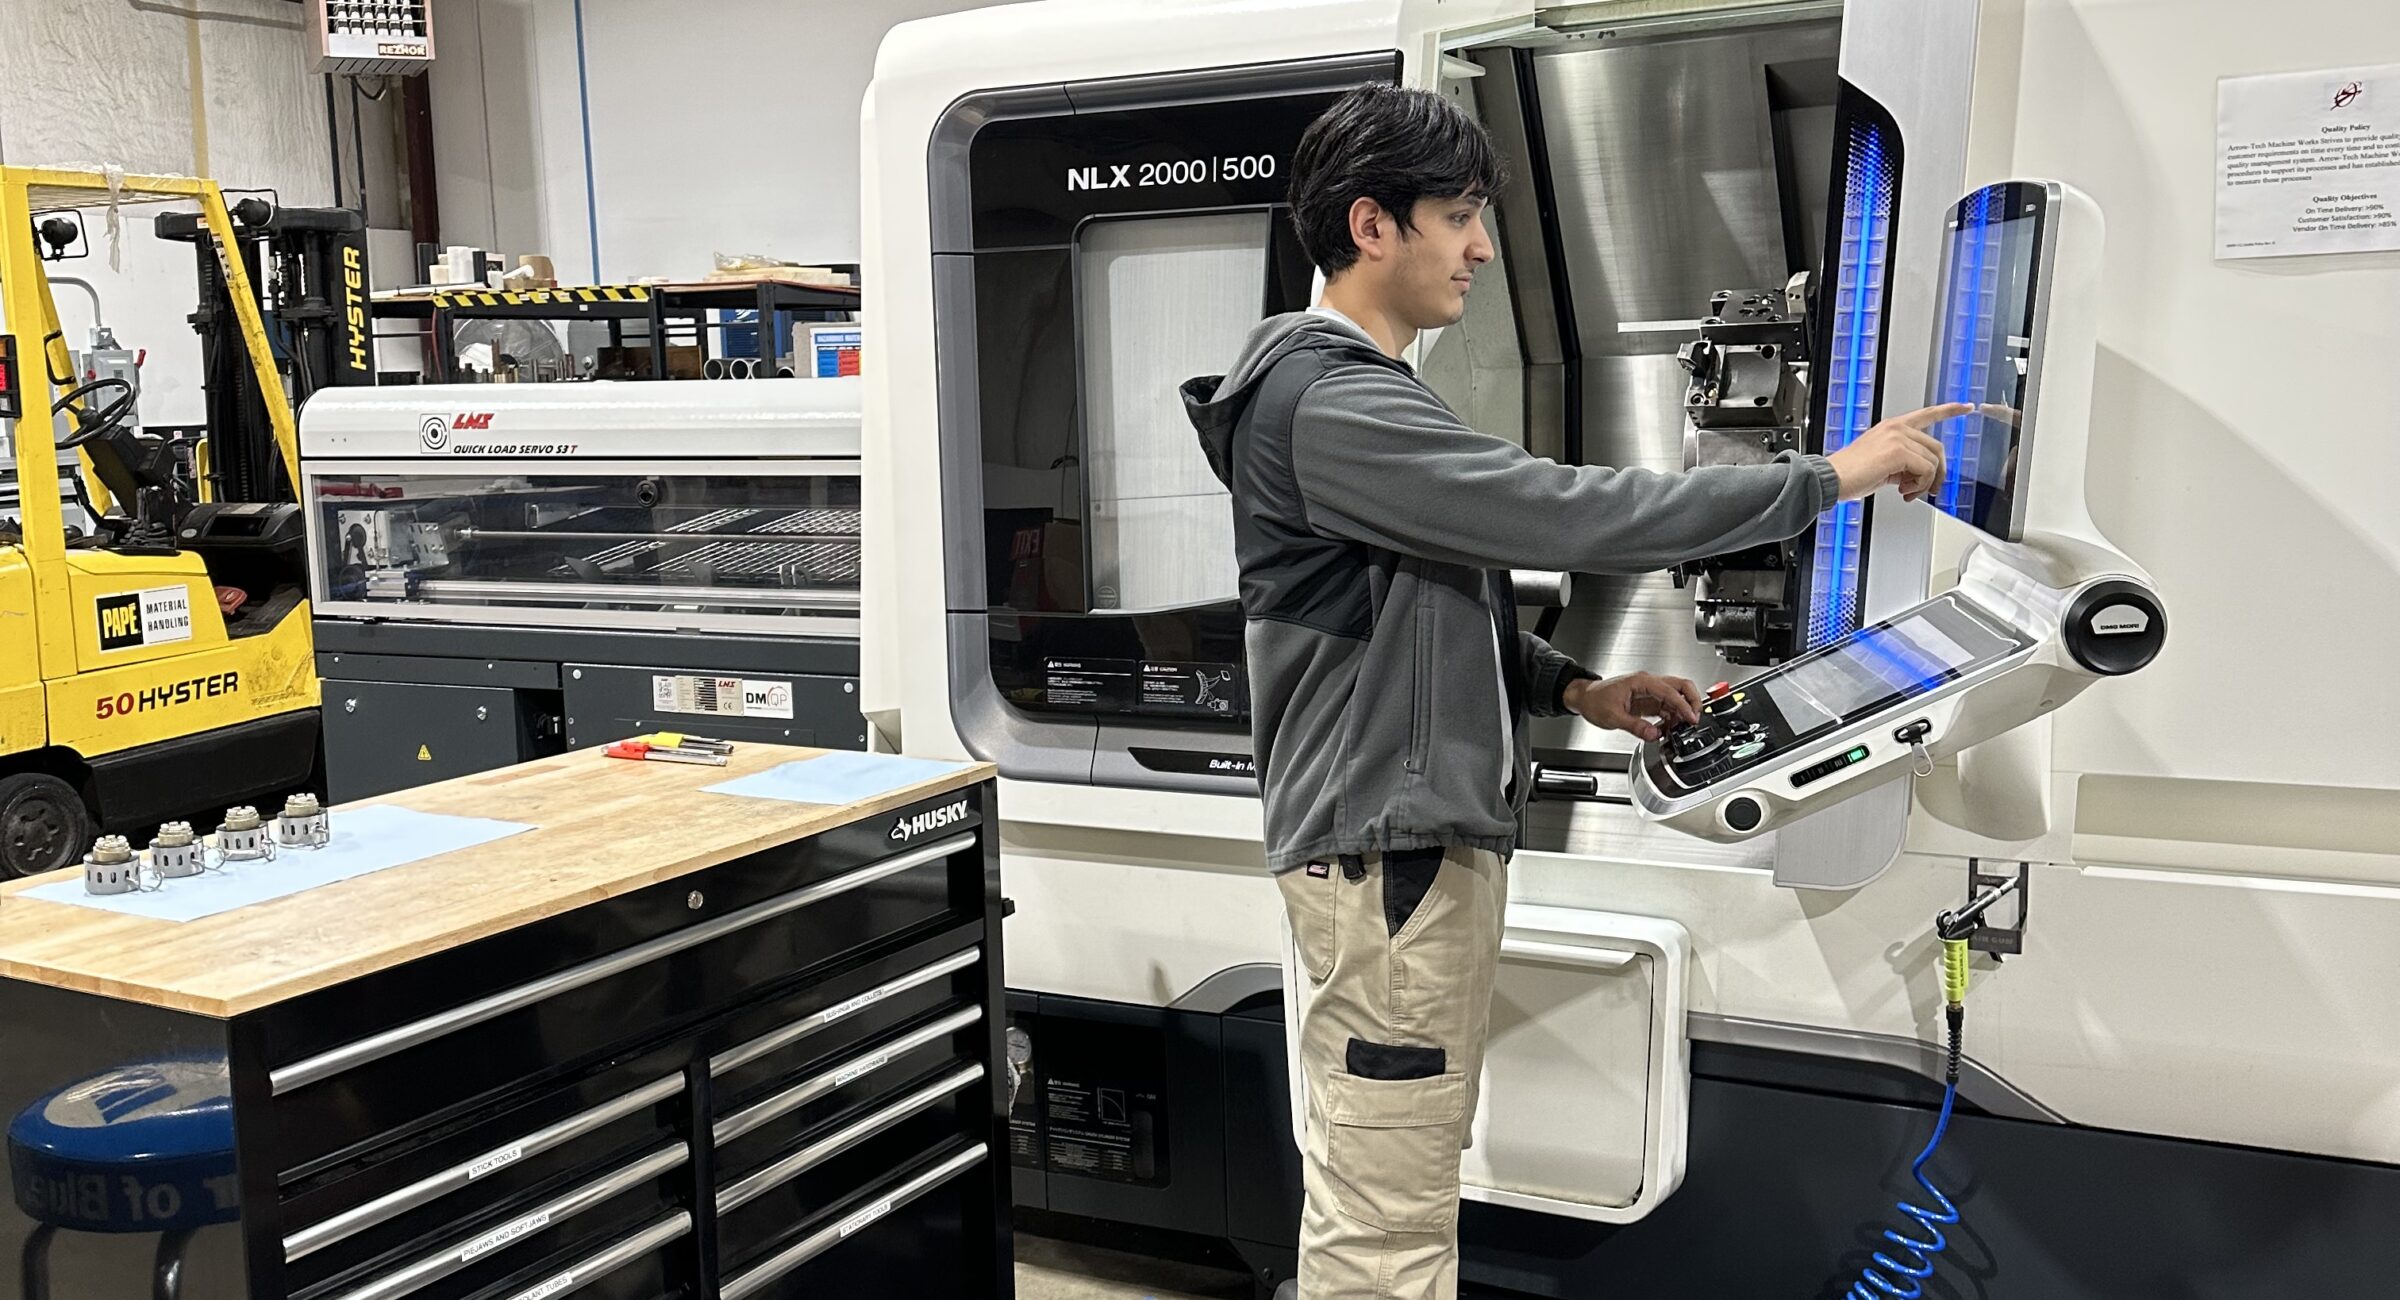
(1834,586)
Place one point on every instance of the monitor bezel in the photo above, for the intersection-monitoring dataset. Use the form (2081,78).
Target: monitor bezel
(2039,201)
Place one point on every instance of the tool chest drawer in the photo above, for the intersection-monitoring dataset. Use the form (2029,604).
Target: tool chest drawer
(840,880)
(582,1215)
(420,1071)
(638,1267)
(902,1235)
(788,1034)
(381,1200)
(775,1187)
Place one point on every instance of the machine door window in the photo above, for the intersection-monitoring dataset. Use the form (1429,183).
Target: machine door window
(1161,299)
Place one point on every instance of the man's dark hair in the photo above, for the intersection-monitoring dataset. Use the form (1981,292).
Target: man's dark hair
(1388,144)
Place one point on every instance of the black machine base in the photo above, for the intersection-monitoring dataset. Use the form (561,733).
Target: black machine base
(1795,1163)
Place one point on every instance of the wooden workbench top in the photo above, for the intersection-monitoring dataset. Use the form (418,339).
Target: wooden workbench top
(603,827)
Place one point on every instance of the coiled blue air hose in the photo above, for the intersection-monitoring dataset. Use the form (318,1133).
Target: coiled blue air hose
(1901,1274)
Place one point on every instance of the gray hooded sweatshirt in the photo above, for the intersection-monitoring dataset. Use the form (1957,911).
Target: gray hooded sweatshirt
(1375,532)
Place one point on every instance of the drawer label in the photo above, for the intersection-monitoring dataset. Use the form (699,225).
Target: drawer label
(495,1161)
(853,1006)
(721,697)
(866,1216)
(861,1069)
(502,1235)
(559,1285)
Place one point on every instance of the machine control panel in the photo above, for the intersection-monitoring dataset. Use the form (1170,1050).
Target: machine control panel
(1778,743)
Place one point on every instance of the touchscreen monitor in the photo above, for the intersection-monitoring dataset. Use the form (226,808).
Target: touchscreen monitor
(1990,314)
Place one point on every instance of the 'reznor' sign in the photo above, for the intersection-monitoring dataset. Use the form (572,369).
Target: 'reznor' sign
(925,823)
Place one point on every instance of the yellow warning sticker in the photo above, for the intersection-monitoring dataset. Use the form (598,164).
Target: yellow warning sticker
(424,753)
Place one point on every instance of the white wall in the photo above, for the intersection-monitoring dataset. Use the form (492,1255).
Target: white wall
(152,87)
(216,88)
(2246,415)
(725,127)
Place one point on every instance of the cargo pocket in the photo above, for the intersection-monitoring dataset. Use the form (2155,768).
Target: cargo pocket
(1308,903)
(1391,1149)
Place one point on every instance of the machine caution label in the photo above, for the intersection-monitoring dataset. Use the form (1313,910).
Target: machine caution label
(1101,1094)
(721,697)
(1103,684)
(155,616)
(1197,690)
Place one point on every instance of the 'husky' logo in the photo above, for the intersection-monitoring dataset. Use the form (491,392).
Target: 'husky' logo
(908,828)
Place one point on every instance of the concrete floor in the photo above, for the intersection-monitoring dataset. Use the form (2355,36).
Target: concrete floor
(1053,1270)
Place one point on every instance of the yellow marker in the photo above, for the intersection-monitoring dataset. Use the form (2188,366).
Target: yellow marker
(424,753)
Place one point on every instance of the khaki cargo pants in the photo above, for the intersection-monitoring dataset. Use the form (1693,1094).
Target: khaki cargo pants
(1399,951)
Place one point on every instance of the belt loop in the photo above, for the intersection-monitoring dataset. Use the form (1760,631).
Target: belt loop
(1354,868)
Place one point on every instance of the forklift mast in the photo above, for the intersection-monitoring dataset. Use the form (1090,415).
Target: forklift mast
(45,368)
(312,265)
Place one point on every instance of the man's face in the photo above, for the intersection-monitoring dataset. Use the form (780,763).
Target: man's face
(1436,263)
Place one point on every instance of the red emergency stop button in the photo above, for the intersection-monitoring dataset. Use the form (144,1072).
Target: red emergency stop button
(1720,690)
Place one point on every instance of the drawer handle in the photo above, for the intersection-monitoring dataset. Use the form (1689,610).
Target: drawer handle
(317,1236)
(308,1070)
(841,1076)
(432,1268)
(734,1058)
(773,1268)
(1566,954)
(610,1260)
(818,1152)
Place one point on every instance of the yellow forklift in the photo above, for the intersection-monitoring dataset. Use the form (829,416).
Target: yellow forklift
(155,656)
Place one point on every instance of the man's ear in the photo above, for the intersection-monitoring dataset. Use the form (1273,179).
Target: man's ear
(1372,229)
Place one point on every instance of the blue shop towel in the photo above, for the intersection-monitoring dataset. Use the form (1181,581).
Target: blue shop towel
(842,777)
(365,840)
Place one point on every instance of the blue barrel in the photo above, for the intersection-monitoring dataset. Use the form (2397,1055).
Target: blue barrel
(140,1148)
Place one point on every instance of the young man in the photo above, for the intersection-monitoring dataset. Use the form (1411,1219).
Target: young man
(1389,681)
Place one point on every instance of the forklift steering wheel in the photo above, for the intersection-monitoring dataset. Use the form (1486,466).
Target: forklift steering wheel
(90,425)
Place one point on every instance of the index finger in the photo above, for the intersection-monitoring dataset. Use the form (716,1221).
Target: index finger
(1675,696)
(1927,417)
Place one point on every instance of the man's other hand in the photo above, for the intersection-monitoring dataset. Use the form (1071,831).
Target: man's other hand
(1635,702)
(1898,451)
